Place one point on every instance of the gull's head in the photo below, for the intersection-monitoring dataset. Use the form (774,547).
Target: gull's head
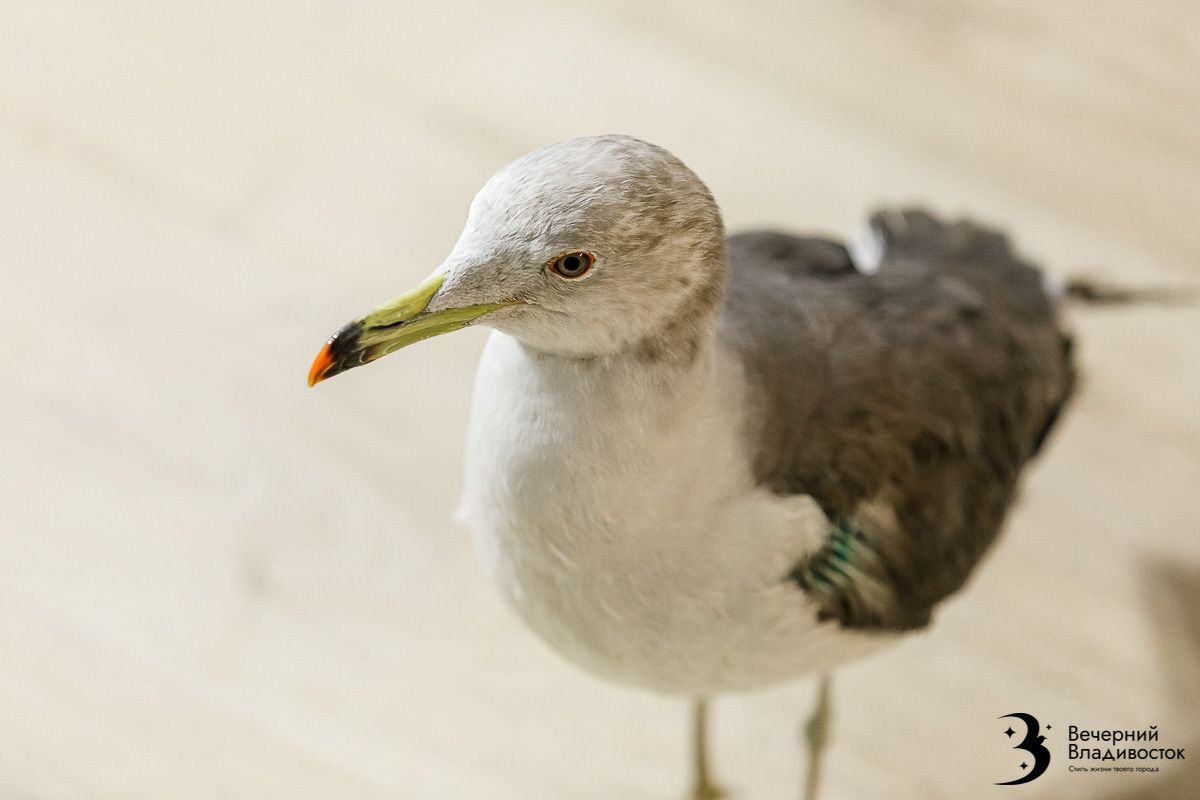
(584,248)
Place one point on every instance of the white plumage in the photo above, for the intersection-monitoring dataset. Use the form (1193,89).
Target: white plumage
(614,504)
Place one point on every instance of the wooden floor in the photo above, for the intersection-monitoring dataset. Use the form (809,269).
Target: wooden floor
(215,583)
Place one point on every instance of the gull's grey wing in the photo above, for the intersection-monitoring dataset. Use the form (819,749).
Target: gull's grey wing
(905,402)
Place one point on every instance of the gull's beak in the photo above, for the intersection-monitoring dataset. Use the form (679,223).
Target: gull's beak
(395,324)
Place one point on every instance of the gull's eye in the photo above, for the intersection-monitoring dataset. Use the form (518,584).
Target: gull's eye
(572,265)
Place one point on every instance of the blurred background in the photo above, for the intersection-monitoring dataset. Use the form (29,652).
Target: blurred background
(217,583)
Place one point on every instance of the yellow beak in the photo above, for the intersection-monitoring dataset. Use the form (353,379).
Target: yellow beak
(393,325)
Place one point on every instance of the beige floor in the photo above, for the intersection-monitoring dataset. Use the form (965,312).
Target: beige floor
(215,583)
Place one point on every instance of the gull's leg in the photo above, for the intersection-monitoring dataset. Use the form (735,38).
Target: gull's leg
(703,787)
(816,733)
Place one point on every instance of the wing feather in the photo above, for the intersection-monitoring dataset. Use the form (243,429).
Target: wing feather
(922,388)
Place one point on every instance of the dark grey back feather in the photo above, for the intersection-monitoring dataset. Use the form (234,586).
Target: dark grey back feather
(924,387)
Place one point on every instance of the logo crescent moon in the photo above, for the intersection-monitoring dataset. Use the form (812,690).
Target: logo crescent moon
(1032,744)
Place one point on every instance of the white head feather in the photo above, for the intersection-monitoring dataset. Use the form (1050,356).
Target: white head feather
(652,225)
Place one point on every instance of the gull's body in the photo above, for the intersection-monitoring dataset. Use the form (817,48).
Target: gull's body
(646,515)
(698,464)
(615,505)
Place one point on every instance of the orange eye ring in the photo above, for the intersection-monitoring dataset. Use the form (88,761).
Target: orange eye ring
(572,265)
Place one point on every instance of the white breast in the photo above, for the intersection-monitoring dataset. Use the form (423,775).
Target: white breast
(614,506)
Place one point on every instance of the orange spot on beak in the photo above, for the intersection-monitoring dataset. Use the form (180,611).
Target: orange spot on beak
(320,365)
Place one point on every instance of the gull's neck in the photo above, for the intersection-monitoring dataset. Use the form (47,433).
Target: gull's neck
(566,455)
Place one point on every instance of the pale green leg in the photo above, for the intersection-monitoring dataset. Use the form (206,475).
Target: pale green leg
(816,733)
(703,787)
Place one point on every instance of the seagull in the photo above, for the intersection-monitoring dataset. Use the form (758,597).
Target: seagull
(702,464)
